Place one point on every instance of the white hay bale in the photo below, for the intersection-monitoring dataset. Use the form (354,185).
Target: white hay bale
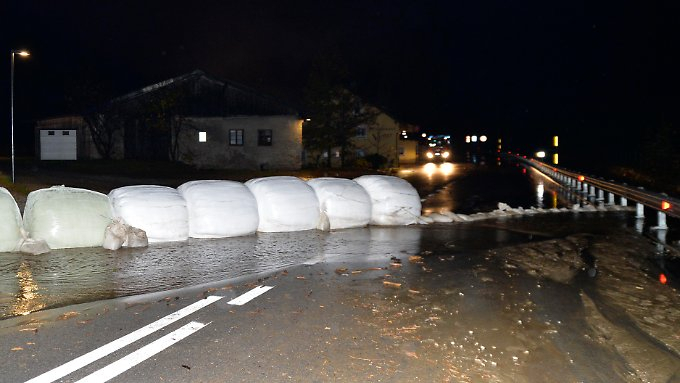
(158,210)
(66,217)
(394,201)
(343,201)
(10,216)
(284,203)
(219,208)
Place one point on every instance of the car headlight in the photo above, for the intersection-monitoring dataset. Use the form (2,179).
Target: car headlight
(445,154)
(429,155)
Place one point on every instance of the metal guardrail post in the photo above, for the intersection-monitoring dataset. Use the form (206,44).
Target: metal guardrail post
(661,221)
(610,199)
(660,202)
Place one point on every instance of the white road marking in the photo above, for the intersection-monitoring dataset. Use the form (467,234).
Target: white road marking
(250,295)
(94,355)
(123,364)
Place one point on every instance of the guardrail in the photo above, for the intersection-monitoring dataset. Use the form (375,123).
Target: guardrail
(596,188)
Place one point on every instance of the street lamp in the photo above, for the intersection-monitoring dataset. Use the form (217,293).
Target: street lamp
(23,54)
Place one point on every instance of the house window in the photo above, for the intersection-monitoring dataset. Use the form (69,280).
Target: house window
(50,132)
(401,150)
(236,137)
(361,131)
(264,137)
(65,132)
(202,137)
(361,153)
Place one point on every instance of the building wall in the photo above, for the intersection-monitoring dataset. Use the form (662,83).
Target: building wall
(85,147)
(408,151)
(381,137)
(217,153)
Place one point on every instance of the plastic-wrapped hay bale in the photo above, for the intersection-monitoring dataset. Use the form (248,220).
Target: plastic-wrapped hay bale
(66,217)
(10,216)
(158,210)
(344,202)
(284,203)
(219,209)
(394,201)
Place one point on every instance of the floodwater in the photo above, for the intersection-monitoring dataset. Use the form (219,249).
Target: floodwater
(30,283)
(580,294)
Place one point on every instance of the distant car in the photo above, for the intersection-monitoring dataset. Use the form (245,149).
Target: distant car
(437,154)
(438,149)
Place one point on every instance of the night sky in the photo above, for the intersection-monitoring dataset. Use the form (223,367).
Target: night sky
(602,75)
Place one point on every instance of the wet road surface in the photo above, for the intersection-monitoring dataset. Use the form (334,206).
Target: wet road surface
(67,276)
(554,298)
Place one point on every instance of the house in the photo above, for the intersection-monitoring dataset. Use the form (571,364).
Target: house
(409,150)
(378,137)
(58,138)
(381,137)
(194,118)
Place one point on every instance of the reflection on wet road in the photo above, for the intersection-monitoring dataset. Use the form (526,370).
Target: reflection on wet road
(31,283)
(571,296)
(469,188)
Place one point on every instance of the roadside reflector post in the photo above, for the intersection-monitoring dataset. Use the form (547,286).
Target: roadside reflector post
(661,221)
(640,211)
(610,199)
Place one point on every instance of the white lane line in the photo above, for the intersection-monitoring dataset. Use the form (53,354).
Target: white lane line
(121,365)
(250,295)
(94,355)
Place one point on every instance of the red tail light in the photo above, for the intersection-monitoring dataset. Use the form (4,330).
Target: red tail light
(665,205)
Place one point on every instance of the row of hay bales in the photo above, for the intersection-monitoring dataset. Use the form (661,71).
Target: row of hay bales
(67,217)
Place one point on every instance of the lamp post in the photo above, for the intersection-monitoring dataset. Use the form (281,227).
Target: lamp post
(23,54)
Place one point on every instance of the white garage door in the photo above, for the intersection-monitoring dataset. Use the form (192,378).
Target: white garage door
(58,144)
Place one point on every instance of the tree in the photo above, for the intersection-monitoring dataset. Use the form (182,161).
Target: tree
(103,125)
(162,121)
(103,119)
(334,111)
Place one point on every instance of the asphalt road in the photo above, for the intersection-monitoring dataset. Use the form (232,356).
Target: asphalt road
(550,298)
(490,301)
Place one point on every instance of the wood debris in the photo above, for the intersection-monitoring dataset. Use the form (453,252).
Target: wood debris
(392,284)
(68,315)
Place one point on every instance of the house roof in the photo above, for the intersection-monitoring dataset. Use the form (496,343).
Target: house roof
(231,93)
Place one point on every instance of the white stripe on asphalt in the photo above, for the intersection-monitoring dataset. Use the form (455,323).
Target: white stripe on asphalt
(121,365)
(94,355)
(250,295)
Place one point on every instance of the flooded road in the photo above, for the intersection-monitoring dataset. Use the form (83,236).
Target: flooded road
(30,283)
(568,296)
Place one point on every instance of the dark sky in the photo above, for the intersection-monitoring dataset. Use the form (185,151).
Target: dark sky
(598,73)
